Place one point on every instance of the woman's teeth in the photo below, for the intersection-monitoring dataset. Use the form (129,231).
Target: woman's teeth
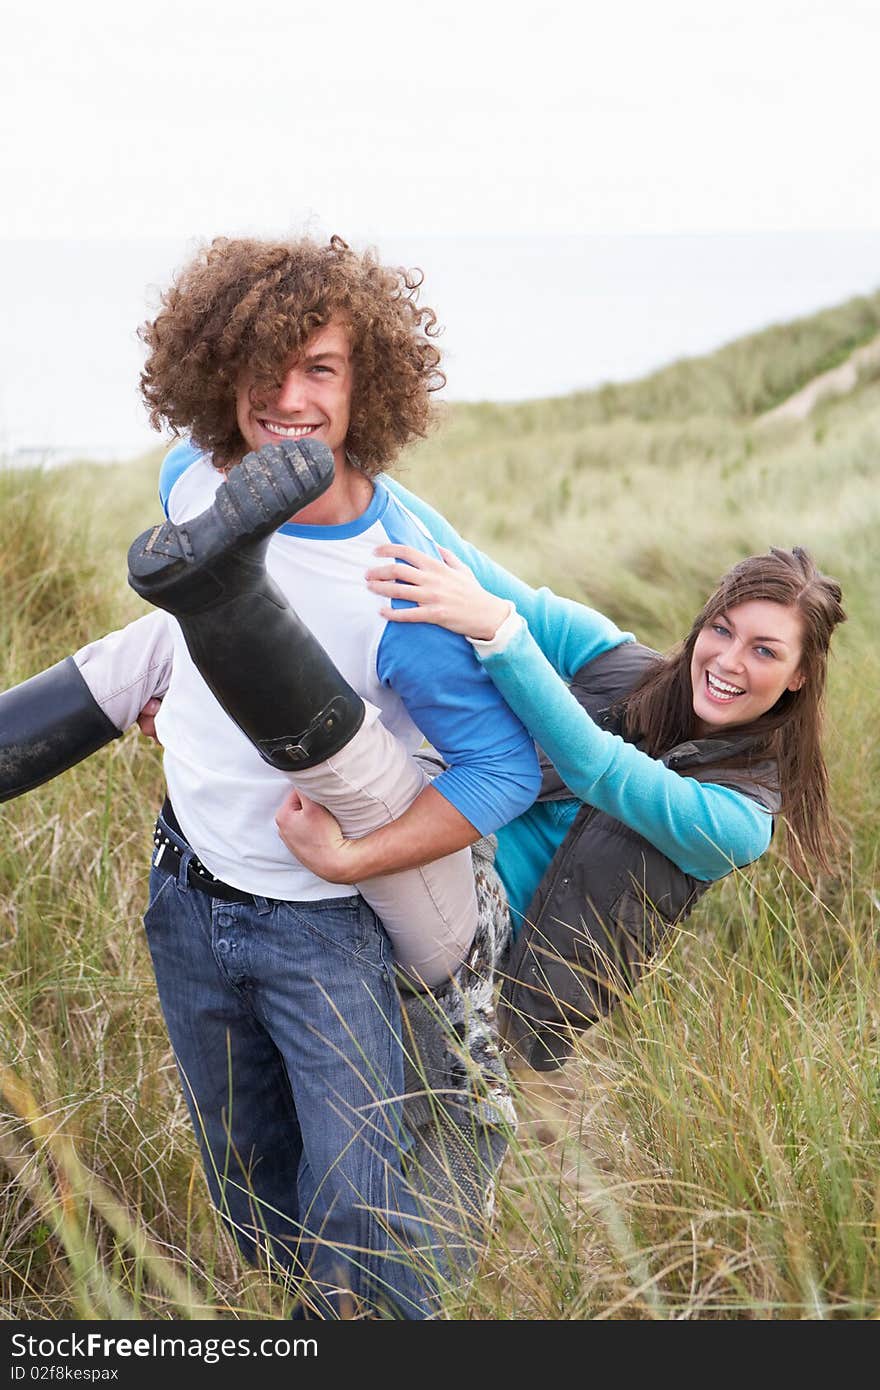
(720,690)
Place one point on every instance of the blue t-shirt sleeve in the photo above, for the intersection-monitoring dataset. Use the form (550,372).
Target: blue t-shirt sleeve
(493,773)
(175,463)
(568,633)
(703,828)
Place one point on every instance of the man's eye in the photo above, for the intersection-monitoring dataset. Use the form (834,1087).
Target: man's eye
(320,367)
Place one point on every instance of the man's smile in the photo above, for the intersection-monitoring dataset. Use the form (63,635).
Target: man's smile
(288,431)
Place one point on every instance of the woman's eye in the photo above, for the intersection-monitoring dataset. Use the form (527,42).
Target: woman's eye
(721,629)
(765,651)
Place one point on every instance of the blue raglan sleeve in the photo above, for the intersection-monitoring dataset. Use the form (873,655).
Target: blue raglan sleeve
(492,772)
(703,828)
(568,633)
(175,463)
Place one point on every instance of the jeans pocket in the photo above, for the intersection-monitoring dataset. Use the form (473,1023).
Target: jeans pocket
(349,925)
(163,888)
(374,945)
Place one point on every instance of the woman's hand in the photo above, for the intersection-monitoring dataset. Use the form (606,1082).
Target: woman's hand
(313,836)
(445,591)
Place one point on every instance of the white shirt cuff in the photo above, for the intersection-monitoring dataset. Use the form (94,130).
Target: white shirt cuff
(505,634)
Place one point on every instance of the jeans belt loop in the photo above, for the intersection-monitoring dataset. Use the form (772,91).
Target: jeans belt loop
(183,871)
(170,840)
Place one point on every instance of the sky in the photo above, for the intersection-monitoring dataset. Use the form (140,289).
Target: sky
(131,134)
(187,118)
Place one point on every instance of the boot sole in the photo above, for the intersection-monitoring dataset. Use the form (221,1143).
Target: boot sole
(257,496)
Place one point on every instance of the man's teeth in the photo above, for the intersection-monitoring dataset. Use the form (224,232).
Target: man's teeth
(721,689)
(288,431)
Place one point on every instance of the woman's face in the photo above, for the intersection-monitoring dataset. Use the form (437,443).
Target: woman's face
(743,661)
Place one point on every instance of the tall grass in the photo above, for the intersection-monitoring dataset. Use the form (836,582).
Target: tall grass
(712,1150)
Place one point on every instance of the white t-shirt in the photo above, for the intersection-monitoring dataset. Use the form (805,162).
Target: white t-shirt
(424,681)
(223,793)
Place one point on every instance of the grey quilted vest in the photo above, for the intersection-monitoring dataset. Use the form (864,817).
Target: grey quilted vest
(608,898)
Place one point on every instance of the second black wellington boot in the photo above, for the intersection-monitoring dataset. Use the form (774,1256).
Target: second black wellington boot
(265,667)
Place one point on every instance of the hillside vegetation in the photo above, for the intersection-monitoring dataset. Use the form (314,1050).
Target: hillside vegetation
(712,1151)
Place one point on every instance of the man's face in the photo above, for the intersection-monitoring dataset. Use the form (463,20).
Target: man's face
(313,398)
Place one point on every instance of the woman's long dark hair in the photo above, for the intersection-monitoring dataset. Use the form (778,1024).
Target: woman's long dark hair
(660,711)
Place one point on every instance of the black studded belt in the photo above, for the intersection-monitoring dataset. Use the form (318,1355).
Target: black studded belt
(168,852)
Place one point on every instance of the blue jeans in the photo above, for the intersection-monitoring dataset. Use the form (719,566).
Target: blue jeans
(285,1023)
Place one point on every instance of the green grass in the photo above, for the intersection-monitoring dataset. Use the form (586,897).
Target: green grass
(712,1152)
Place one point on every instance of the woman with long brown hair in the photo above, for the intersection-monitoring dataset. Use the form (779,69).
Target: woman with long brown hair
(661,774)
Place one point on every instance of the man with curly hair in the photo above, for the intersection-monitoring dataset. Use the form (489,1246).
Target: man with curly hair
(278,988)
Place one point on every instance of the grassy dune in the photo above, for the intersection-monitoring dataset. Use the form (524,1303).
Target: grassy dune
(712,1151)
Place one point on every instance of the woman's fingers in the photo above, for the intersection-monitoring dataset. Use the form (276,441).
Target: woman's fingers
(410,556)
(407,615)
(393,550)
(451,559)
(444,590)
(418,571)
(397,573)
(391,588)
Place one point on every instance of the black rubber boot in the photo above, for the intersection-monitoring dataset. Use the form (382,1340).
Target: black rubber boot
(265,667)
(256,497)
(48,724)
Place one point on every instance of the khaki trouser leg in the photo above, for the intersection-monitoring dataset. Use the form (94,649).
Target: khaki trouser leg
(429,913)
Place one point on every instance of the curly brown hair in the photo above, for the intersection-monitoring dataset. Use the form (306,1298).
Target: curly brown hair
(251,305)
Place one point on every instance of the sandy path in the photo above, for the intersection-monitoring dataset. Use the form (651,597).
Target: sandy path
(838,382)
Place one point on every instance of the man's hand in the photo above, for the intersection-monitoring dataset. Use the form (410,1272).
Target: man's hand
(430,829)
(313,837)
(147,718)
